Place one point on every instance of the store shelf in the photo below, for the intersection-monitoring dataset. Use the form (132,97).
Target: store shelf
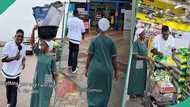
(176,76)
(175,83)
(177,71)
(186,92)
(179,78)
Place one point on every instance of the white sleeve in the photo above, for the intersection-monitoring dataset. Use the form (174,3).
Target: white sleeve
(82,27)
(5,51)
(173,42)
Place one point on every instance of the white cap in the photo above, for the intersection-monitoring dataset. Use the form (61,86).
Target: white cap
(139,31)
(104,24)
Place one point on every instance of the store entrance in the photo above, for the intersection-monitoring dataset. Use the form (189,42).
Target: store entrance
(118,14)
(99,10)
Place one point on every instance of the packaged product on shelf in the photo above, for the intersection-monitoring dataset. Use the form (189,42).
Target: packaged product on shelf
(167,87)
(188,65)
(166,60)
(163,94)
(171,86)
(180,58)
(169,97)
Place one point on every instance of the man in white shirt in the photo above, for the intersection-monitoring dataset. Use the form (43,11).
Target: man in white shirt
(13,58)
(76,32)
(164,43)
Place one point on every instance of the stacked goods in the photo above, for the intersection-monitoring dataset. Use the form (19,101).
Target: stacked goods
(165,60)
(163,89)
(178,77)
(181,57)
(188,63)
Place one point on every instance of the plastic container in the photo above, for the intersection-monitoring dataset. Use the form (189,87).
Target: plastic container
(47,32)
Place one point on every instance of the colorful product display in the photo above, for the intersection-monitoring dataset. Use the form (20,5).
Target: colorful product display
(170,81)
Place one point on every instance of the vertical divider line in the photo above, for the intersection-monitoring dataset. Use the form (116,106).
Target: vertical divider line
(133,25)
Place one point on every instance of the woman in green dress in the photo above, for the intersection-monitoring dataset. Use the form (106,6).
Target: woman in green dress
(44,78)
(101,63)
(138,72)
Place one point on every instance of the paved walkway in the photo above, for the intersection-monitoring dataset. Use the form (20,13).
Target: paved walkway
(79,79)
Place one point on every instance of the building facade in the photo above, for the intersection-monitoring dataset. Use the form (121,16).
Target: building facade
(112,9)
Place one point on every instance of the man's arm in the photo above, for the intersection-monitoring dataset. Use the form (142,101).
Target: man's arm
(156,52)
(155,45)
(5,55)
(173,44)
(9,59)
(83,30)
(114,63)
(23,62)
(32,40)
(83,35)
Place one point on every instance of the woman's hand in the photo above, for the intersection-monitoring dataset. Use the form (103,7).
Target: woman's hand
(35,28)
(149,59)
(86,74)
(160,53)
(17,57)
(55,76)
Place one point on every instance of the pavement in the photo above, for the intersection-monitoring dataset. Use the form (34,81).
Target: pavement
(75,95)
(122,42)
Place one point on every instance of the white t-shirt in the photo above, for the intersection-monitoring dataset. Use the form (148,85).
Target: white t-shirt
(164,46)
(12,69)
(75,29)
